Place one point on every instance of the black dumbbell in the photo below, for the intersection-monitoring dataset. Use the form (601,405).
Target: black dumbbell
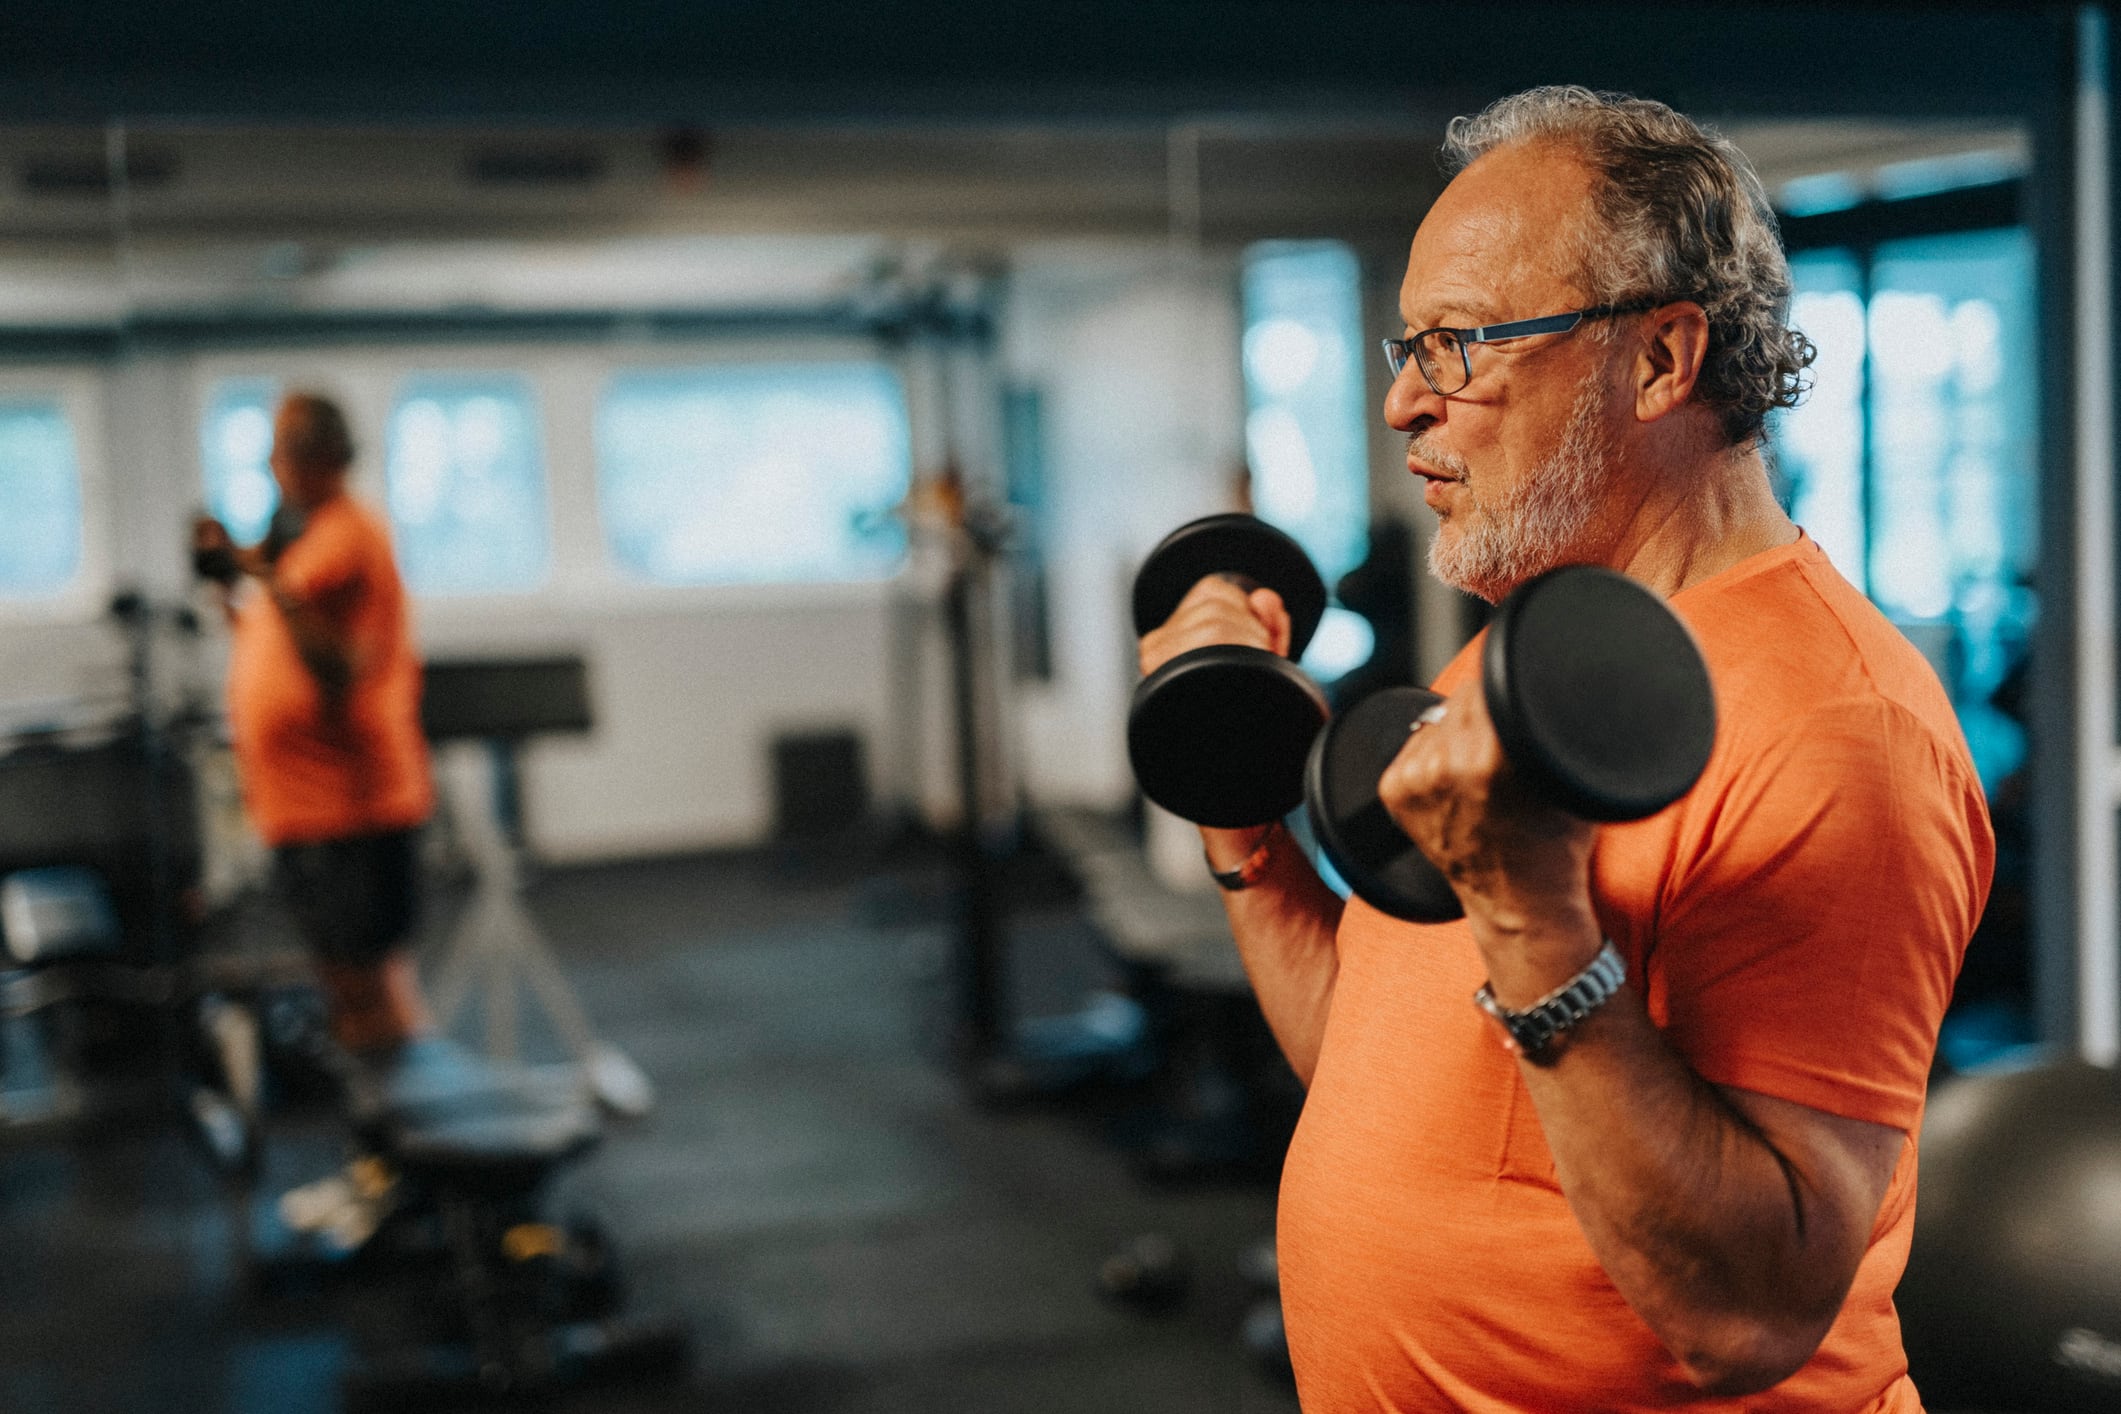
(1220,735)
(1600,698)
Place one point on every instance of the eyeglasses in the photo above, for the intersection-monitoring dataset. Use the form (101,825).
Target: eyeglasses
(1445,356)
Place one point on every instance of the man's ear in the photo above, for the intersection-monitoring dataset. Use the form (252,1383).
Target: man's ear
(1675,344)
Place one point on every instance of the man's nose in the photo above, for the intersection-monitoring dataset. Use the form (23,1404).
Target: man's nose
(1410,399)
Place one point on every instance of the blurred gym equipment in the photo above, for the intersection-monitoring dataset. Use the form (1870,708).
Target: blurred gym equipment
(100,862)
(2012,1298)
(474,1146)
(496,705)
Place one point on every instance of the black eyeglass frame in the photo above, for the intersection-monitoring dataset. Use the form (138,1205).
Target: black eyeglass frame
(1400,352)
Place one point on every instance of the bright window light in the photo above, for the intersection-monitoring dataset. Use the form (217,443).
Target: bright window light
(466,471)
(1928,175)
(40,500)
(1955,413)
(1818,444)
(1344,642)
(754,474)
(235,439)
(1818,194)
(1306,438)
(1914,463)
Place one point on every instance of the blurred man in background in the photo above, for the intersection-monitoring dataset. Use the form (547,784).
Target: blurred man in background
(324,704)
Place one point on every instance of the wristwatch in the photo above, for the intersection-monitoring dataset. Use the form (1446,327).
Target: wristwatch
(1536,1031)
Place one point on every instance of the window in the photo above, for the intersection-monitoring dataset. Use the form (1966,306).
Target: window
(1306,432)
(40,499)
(466,474)
(1956,375)
(1913,461)
(1819,443)
(755,475)
(235,440)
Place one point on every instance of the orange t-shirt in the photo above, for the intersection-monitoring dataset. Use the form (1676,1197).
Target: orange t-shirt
(1795,923)
(306,778)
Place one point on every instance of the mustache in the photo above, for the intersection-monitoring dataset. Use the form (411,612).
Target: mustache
(1430,455)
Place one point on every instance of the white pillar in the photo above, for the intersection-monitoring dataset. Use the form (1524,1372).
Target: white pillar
(2099,770)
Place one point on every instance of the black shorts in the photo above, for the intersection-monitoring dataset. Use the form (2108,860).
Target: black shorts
(353,899)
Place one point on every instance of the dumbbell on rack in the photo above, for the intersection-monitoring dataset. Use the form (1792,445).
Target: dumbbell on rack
(1598,693)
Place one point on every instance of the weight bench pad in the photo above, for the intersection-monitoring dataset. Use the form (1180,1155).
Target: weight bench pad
(441,1110)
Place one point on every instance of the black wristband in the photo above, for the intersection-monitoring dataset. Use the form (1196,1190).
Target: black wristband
(1248,873)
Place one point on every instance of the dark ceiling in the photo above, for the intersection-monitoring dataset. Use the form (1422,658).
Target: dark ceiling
(991,60)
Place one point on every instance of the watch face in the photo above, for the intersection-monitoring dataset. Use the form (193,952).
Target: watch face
(1535,1032)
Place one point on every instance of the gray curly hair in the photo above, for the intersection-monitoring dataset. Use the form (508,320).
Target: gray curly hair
(1684,216)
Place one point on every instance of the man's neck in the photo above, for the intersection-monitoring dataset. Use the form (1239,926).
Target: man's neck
(311,499)
(1700,521)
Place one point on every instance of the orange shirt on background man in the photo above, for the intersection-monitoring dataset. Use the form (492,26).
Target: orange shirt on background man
(1795,923)
(307,774)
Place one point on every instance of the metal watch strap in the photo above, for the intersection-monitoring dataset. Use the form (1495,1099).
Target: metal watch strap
(1247,873)
(1533,1031)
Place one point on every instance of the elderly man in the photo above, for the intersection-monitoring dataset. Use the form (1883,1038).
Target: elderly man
(324,701)
(1700,1194)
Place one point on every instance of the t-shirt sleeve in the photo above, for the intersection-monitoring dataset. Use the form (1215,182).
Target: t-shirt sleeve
(1809,940)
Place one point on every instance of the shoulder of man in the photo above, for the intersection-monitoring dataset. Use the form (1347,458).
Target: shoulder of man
(342,541)
(1839,768)
(1799,644)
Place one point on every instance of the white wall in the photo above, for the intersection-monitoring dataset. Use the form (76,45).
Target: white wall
(1136,353)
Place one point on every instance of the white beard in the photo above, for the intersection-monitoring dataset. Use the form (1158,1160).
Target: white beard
(1489,548)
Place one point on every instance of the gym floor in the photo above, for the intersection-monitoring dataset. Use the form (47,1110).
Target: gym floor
(813,1197)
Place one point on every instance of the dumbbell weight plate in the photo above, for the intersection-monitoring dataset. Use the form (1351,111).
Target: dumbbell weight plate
(1598,694)
(1219,735)
(1361,840)
(1239,545)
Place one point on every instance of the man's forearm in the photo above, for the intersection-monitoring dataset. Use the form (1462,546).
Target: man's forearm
(1284,925)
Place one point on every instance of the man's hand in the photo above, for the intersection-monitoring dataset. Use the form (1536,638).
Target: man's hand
(1217,611)
(319,635)
(210,540)
(1520,866)
(207,533)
